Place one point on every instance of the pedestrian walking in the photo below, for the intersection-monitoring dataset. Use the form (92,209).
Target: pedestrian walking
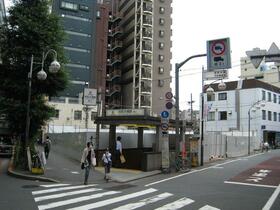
(107,162)
(118,151)
(47,146)
(266,146)
(88,160)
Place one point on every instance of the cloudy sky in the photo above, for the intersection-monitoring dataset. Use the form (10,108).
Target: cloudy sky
(248,24)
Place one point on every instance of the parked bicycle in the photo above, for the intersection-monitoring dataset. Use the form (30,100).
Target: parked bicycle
(182,163)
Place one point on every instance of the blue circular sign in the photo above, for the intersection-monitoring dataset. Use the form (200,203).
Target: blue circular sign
(165,114)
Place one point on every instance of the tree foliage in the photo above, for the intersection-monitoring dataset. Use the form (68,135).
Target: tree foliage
(30,29)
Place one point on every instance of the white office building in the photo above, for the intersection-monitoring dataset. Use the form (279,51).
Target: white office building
(227,128)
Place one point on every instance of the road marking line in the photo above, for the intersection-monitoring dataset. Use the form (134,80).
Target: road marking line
(218,167)
(38,192)
(75,172)
(248,184)
(176,204)
(191,172)
(144,202)
(75,200)
(207,207)
(113,200)
(272,199)
(54,185)
(60,195)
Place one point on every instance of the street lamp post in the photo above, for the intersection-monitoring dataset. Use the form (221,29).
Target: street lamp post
(177,69)
(41,75)
(249,122)
(209,91)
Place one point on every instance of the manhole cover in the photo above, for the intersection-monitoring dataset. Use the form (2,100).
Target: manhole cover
(30,186)
(121,187)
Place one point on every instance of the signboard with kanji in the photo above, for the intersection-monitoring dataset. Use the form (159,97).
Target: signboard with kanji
(218,54)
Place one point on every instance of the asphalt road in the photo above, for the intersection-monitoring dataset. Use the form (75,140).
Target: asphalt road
(248,183)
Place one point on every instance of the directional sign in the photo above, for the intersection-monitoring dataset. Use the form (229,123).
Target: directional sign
(164,114)
(218,54)
(256,56)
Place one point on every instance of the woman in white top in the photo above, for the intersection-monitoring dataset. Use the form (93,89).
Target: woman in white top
(87,160)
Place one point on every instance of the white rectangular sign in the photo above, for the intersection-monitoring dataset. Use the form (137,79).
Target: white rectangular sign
(125,112)
(216,74)
(90,96)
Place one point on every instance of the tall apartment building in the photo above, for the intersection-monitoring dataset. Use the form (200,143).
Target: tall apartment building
(2,11)
(138,58)
(79,22)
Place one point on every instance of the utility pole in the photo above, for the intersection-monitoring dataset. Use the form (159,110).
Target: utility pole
(191,103)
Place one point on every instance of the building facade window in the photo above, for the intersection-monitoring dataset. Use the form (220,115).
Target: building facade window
(274,98)
(269,97)
(269,115)
(278,99)
(223,115)
(161,21)
(160,83)
(161,58)
(56,115)
(161,10)
(161,45)
(275,116)
(263,115)
(69,5)
(222,96)
(263,95)
(93,115)
(77,115)
(161,33)
(278,117)
(211,97)
(84,8)
(211,116)
(160,70)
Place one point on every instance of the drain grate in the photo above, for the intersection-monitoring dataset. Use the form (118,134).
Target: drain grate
(30,186)
(121,187)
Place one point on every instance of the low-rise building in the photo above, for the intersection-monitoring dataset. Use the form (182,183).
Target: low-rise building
(227,112)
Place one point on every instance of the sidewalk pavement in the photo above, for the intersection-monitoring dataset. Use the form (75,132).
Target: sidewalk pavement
(62,169)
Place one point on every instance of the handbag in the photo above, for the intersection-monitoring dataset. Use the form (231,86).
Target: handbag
(83,166)
(122,159)
(94,161)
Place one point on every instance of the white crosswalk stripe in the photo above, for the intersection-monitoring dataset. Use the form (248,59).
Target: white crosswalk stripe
(75,200)
(144,202)
(176,204)
(114,200)
(56,197)
(61,189)
(60,195)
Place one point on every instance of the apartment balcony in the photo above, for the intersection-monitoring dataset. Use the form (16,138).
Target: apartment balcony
(115,31)
(147,34)
(115,103)
(147,48)
(147,21)
(115,18)
(117,45)
(116,60)
(146,74)
(146,61)
(146,89)
(148,9)
(113,89)
(113,75)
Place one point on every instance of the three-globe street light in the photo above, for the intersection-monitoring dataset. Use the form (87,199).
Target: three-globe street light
(254,105)
(41,75)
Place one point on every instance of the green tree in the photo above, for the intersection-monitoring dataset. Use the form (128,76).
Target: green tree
(30,29)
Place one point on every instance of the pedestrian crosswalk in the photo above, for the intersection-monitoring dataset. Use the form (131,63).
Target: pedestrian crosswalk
(84,197)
